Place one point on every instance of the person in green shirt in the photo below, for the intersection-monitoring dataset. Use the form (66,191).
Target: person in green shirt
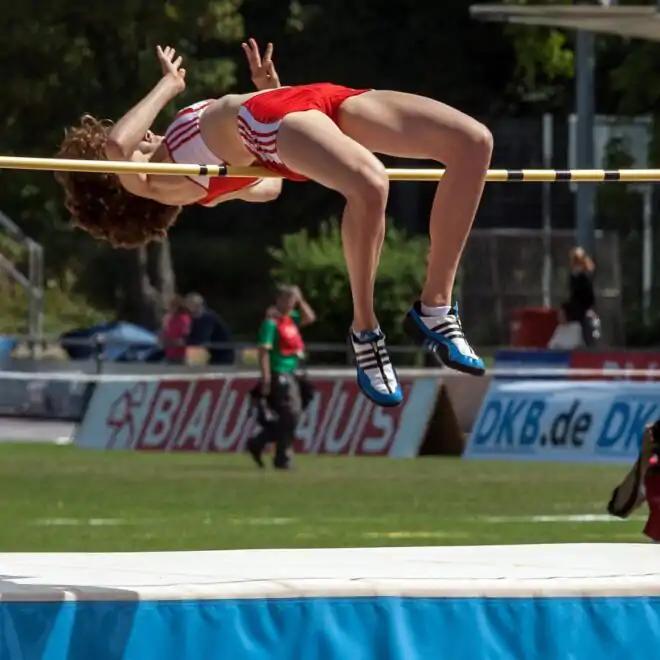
(281,347)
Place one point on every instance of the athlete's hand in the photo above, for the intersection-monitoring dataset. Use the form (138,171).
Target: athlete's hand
(171,68)
(262,71)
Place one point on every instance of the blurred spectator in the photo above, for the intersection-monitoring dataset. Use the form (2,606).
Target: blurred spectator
(207,329)
(642,483)
(281,394)
(581,300)
(175,331)
(578,322)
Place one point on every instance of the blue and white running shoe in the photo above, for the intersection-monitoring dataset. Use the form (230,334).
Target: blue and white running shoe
(443,336)
(376,376)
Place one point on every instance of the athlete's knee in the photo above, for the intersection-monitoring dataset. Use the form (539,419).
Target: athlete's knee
(368,189)
(477,139)
(468,140)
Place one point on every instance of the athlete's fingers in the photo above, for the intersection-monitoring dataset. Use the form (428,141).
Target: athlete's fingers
(268,54)
(248,54)
(254,65)
(254,47)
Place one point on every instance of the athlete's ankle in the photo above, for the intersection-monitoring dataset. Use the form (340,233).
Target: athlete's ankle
(435,300)
(428,310)
(366,335)
(364,324)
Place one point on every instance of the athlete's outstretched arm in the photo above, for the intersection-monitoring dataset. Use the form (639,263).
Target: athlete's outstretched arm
(262,71)
(132,127)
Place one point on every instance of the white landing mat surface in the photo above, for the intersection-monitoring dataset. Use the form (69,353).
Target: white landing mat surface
(541,601)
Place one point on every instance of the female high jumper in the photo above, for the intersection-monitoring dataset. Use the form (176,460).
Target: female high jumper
(320,132)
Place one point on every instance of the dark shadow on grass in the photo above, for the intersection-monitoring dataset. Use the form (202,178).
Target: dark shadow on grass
(33,618)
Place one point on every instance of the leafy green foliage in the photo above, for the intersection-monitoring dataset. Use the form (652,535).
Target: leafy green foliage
(544,59)
(63,309)
(99,58)
(316,264)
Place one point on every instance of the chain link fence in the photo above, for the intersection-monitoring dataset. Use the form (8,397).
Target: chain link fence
(502,270)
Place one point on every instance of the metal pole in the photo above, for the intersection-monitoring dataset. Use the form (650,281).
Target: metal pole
(32,298)
(647,254)
(548,139)
(584,96)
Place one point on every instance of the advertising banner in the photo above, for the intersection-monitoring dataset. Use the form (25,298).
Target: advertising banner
(564,421)
(526,361)
(634,360)
(215,415)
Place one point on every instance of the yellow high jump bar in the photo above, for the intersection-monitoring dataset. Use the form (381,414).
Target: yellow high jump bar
(495,176)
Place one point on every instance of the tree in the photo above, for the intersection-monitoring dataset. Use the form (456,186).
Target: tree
(98,58)
(316,264)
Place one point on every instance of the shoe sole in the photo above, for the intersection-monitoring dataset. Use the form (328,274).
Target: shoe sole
(394,404)
(627,497)
(440,351)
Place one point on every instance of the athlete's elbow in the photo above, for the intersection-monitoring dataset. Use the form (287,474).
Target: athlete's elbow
(271,189)
(270,195)
(115,149)
(262,195)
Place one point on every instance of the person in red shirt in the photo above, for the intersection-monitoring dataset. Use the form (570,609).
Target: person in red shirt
(280,392)
(175,331)
(642,484)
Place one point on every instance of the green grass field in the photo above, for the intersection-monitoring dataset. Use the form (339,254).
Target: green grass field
(66,499)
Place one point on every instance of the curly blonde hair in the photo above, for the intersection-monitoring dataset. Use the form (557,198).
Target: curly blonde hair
(98,203)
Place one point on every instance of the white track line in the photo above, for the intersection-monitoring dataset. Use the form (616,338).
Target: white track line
(567,518)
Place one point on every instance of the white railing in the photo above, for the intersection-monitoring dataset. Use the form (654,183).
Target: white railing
(33,282)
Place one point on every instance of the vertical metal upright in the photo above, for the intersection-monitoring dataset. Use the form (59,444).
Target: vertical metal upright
(585,197)
(548,151)
(647,254)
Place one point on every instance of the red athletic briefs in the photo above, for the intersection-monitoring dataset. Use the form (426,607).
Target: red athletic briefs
(259,118)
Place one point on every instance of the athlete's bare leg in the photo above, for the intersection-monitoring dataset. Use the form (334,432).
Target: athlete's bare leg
(310,143)
(411,126)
